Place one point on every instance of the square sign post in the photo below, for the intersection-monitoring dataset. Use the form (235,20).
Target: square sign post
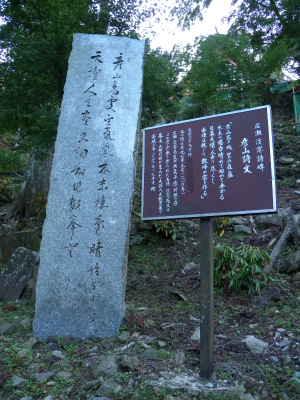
(213,166)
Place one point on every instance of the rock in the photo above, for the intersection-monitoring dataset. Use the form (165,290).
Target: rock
(15,275)
(291,263)
(191,265)
(26,323)
(124,336)
(255,345)
(273,292)
(42,377)
(259,301)
(22,353)
(64,374)
(252,326)
(18,381)
(196,334)
(281,330)
(109,386)
(58,354)
(285,160)
(284,343)
(129,363)
(193,386)
(50,397)
(26,398)
(30,342)
(266,220)
(149,355)
(179,358)
(6,328)
(286,359)
(108,367)
(242,229)
(274,359)
(237,221)
(165,374)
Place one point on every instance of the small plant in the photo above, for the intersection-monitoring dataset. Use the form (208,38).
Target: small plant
(6,192)
(39,202)
(240,269)
(222,224)
(169,228)
(123,377)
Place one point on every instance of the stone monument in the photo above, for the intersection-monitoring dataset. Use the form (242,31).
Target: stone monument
(84,250)
(15,275)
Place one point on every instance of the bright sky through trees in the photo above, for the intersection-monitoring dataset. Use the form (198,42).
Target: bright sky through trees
(168,34)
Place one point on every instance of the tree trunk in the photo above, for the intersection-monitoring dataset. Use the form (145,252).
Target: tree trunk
(290,229)
(34,189)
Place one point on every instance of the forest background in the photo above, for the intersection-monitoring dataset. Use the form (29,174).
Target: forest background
(215,74)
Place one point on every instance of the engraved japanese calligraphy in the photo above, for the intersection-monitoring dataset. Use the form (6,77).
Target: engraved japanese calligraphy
(218,165)
(81,284)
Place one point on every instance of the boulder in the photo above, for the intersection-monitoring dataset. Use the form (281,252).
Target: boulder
(291,263)
(15,275)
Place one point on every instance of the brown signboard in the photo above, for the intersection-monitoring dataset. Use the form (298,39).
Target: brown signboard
(211,166)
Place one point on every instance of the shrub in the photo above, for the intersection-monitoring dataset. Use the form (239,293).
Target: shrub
(240,269)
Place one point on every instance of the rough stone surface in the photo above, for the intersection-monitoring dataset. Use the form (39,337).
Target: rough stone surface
(272,292)
(108,386)
(149,355)
(286,160)
(129,363)
(193,386)
(291,263)
(64,374)
(108,367)
(84,250)
(18,381)
(267,220)
(259,301)
(191,265)
(6,328)
(255,345)
(14,276)
(242,229)
(26,323)
(42,377)
(196,334)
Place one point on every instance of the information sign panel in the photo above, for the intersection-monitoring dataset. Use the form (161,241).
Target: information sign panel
(212,166)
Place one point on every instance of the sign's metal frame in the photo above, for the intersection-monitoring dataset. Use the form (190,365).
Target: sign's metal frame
(215,214)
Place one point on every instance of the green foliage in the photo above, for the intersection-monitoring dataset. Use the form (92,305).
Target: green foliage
(241,268)
(38,202)
(11,161)
(160,88)
(36,40)
(222,223)
(169,227)
(187,11)
(271,24)
(228,73)
(6,193)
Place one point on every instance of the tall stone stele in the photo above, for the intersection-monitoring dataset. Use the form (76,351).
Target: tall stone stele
(84,250)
